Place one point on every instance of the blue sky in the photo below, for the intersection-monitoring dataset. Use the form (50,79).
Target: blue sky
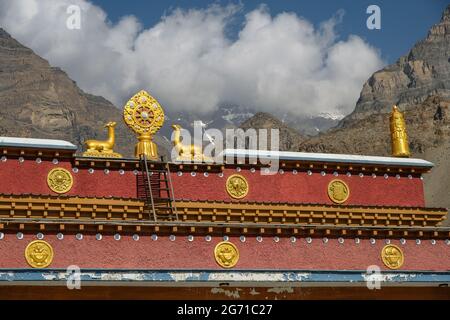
(403,22)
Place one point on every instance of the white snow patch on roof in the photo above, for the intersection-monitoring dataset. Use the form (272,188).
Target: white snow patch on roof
(36,143)
(326,157)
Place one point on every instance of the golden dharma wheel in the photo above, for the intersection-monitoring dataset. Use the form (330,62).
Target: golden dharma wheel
(143,114)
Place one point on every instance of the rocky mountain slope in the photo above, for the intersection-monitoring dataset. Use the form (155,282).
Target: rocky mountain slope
(424,71)
(39,101)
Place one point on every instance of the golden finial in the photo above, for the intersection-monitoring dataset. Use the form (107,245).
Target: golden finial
(97,148)
(399,138)
(144,115)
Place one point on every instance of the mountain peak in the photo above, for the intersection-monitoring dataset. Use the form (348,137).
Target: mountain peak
(441,30)
(264,117)
(446,14)
(4,34)
(290,139)
(7,41)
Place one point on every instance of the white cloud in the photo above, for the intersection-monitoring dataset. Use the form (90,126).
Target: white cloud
(281,63)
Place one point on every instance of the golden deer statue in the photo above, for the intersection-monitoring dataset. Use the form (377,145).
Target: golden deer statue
(98,148)
(187,152)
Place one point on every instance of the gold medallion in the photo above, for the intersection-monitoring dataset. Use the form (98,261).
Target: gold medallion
(39,254)
(59,180)
(226,254)
(237,186)
(392,256)
(338,191)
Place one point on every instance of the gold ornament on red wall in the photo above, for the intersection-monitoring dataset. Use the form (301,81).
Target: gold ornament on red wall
(39,254)
(338,191)
(59,180)
(237,186)
(226,254)
(392,256)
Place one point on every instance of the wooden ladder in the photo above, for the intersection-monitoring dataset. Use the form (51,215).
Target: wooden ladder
(158,192)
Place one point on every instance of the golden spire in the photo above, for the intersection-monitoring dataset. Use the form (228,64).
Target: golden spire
(144,115)
(399,138)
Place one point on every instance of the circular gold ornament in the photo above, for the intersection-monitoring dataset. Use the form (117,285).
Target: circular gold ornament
(59,180)
(39,254)
(226,254)
(143,114)
(392,256)
(237,186)
(338,191)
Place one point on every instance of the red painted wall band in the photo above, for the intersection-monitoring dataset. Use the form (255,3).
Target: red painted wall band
(31,177)
(163,253)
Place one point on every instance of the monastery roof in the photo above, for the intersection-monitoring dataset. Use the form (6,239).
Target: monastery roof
(327,157)
(245,153)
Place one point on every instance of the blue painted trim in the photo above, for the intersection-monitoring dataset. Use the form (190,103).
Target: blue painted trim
(217,276)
